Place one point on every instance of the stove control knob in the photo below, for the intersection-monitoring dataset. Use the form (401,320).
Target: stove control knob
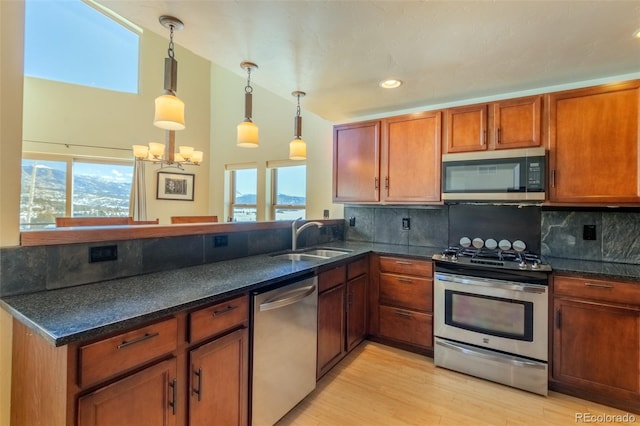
(536,264)
(454,258)
(522,265)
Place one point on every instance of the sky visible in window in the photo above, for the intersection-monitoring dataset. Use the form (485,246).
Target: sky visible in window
(292,181)
(70,41)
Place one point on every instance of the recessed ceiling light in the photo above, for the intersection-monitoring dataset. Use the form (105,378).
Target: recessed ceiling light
(637,33)
(390,83)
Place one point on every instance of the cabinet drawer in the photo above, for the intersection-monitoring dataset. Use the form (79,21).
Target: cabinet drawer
(107,358)
(357,268)
(331,278)
(406,326)
(600,290)
(208,322)
(400,265)
(406,291)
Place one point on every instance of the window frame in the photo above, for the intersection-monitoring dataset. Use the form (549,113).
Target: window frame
(69,161)
(274,167)
(232,169)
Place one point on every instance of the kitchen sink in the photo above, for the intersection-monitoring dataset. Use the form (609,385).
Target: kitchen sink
(312,254)
(326,253)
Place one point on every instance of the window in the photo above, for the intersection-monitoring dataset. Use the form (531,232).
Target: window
(289,192)
(61,186)
(72,42)
(43,194)
(101,189)
(244,189)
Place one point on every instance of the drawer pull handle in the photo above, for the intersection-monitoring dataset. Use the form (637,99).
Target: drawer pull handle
(403,262)
(173,385)
(405,280)
(224,311)
(198,390)
(404,314)
(595,285)
(146,336)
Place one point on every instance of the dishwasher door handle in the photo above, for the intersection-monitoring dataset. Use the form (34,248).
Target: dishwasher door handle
(290,297)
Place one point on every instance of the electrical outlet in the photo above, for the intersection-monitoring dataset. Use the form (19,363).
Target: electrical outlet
(406,223)
(352,221)
(220,240)
(103,253)
(589,232)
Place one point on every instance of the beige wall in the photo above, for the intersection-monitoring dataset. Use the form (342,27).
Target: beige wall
(274,117)
(57,112)
(11,47)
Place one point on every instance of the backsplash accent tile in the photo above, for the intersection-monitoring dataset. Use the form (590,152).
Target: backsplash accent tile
(22,270)
(161,254)
(621,237)
(429,227)
(616,235)
(68,265)
(388,226)
(364,228)
(267,241)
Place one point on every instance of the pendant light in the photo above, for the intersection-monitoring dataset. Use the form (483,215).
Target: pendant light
(169,113)
(298,147)
(247,130)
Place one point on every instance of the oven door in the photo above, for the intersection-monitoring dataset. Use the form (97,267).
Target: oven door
(494,314)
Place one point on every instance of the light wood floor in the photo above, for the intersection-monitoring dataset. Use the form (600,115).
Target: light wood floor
(379,385)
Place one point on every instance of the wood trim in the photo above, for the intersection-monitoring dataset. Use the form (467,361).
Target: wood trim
(92,234)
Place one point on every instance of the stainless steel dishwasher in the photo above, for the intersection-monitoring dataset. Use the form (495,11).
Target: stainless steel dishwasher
(284,341)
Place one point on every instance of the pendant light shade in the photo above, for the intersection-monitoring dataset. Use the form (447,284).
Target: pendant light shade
(169,113)
(169,109)
(298,147)
(247,136)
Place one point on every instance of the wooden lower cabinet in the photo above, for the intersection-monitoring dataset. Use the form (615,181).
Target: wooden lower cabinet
(596,340)
(342,312)
(144,398)
(218,381)
(190,368)
(401,302)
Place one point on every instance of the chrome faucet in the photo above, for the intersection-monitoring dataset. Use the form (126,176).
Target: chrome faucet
(296,231)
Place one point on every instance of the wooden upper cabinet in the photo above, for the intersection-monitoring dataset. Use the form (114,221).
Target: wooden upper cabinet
(411,157)
(593,144)
(517,123)
(466,128)
(356,162)
(511,123)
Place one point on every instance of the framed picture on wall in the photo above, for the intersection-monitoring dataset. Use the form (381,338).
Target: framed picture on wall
(175,186)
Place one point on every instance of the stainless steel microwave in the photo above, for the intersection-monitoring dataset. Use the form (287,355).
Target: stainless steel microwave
(506,175)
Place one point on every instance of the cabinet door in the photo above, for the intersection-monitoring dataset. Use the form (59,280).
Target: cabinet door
(356,162)
(218,389)
(593,137)
(466,128)
(356,311)
(597,346)
(517,123)
(331,346)
(411,157)
(144,398)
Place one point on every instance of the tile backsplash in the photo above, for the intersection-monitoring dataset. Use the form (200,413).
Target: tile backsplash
(31,269)
(617,231)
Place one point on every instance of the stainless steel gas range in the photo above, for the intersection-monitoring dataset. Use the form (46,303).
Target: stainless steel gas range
(491,312)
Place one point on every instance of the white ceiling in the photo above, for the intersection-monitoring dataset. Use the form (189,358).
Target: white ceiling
(444,51)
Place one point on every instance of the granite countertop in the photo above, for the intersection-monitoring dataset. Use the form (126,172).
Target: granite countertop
(89,311)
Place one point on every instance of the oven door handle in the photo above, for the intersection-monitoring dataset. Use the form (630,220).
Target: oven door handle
(485,282)
(486,355)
